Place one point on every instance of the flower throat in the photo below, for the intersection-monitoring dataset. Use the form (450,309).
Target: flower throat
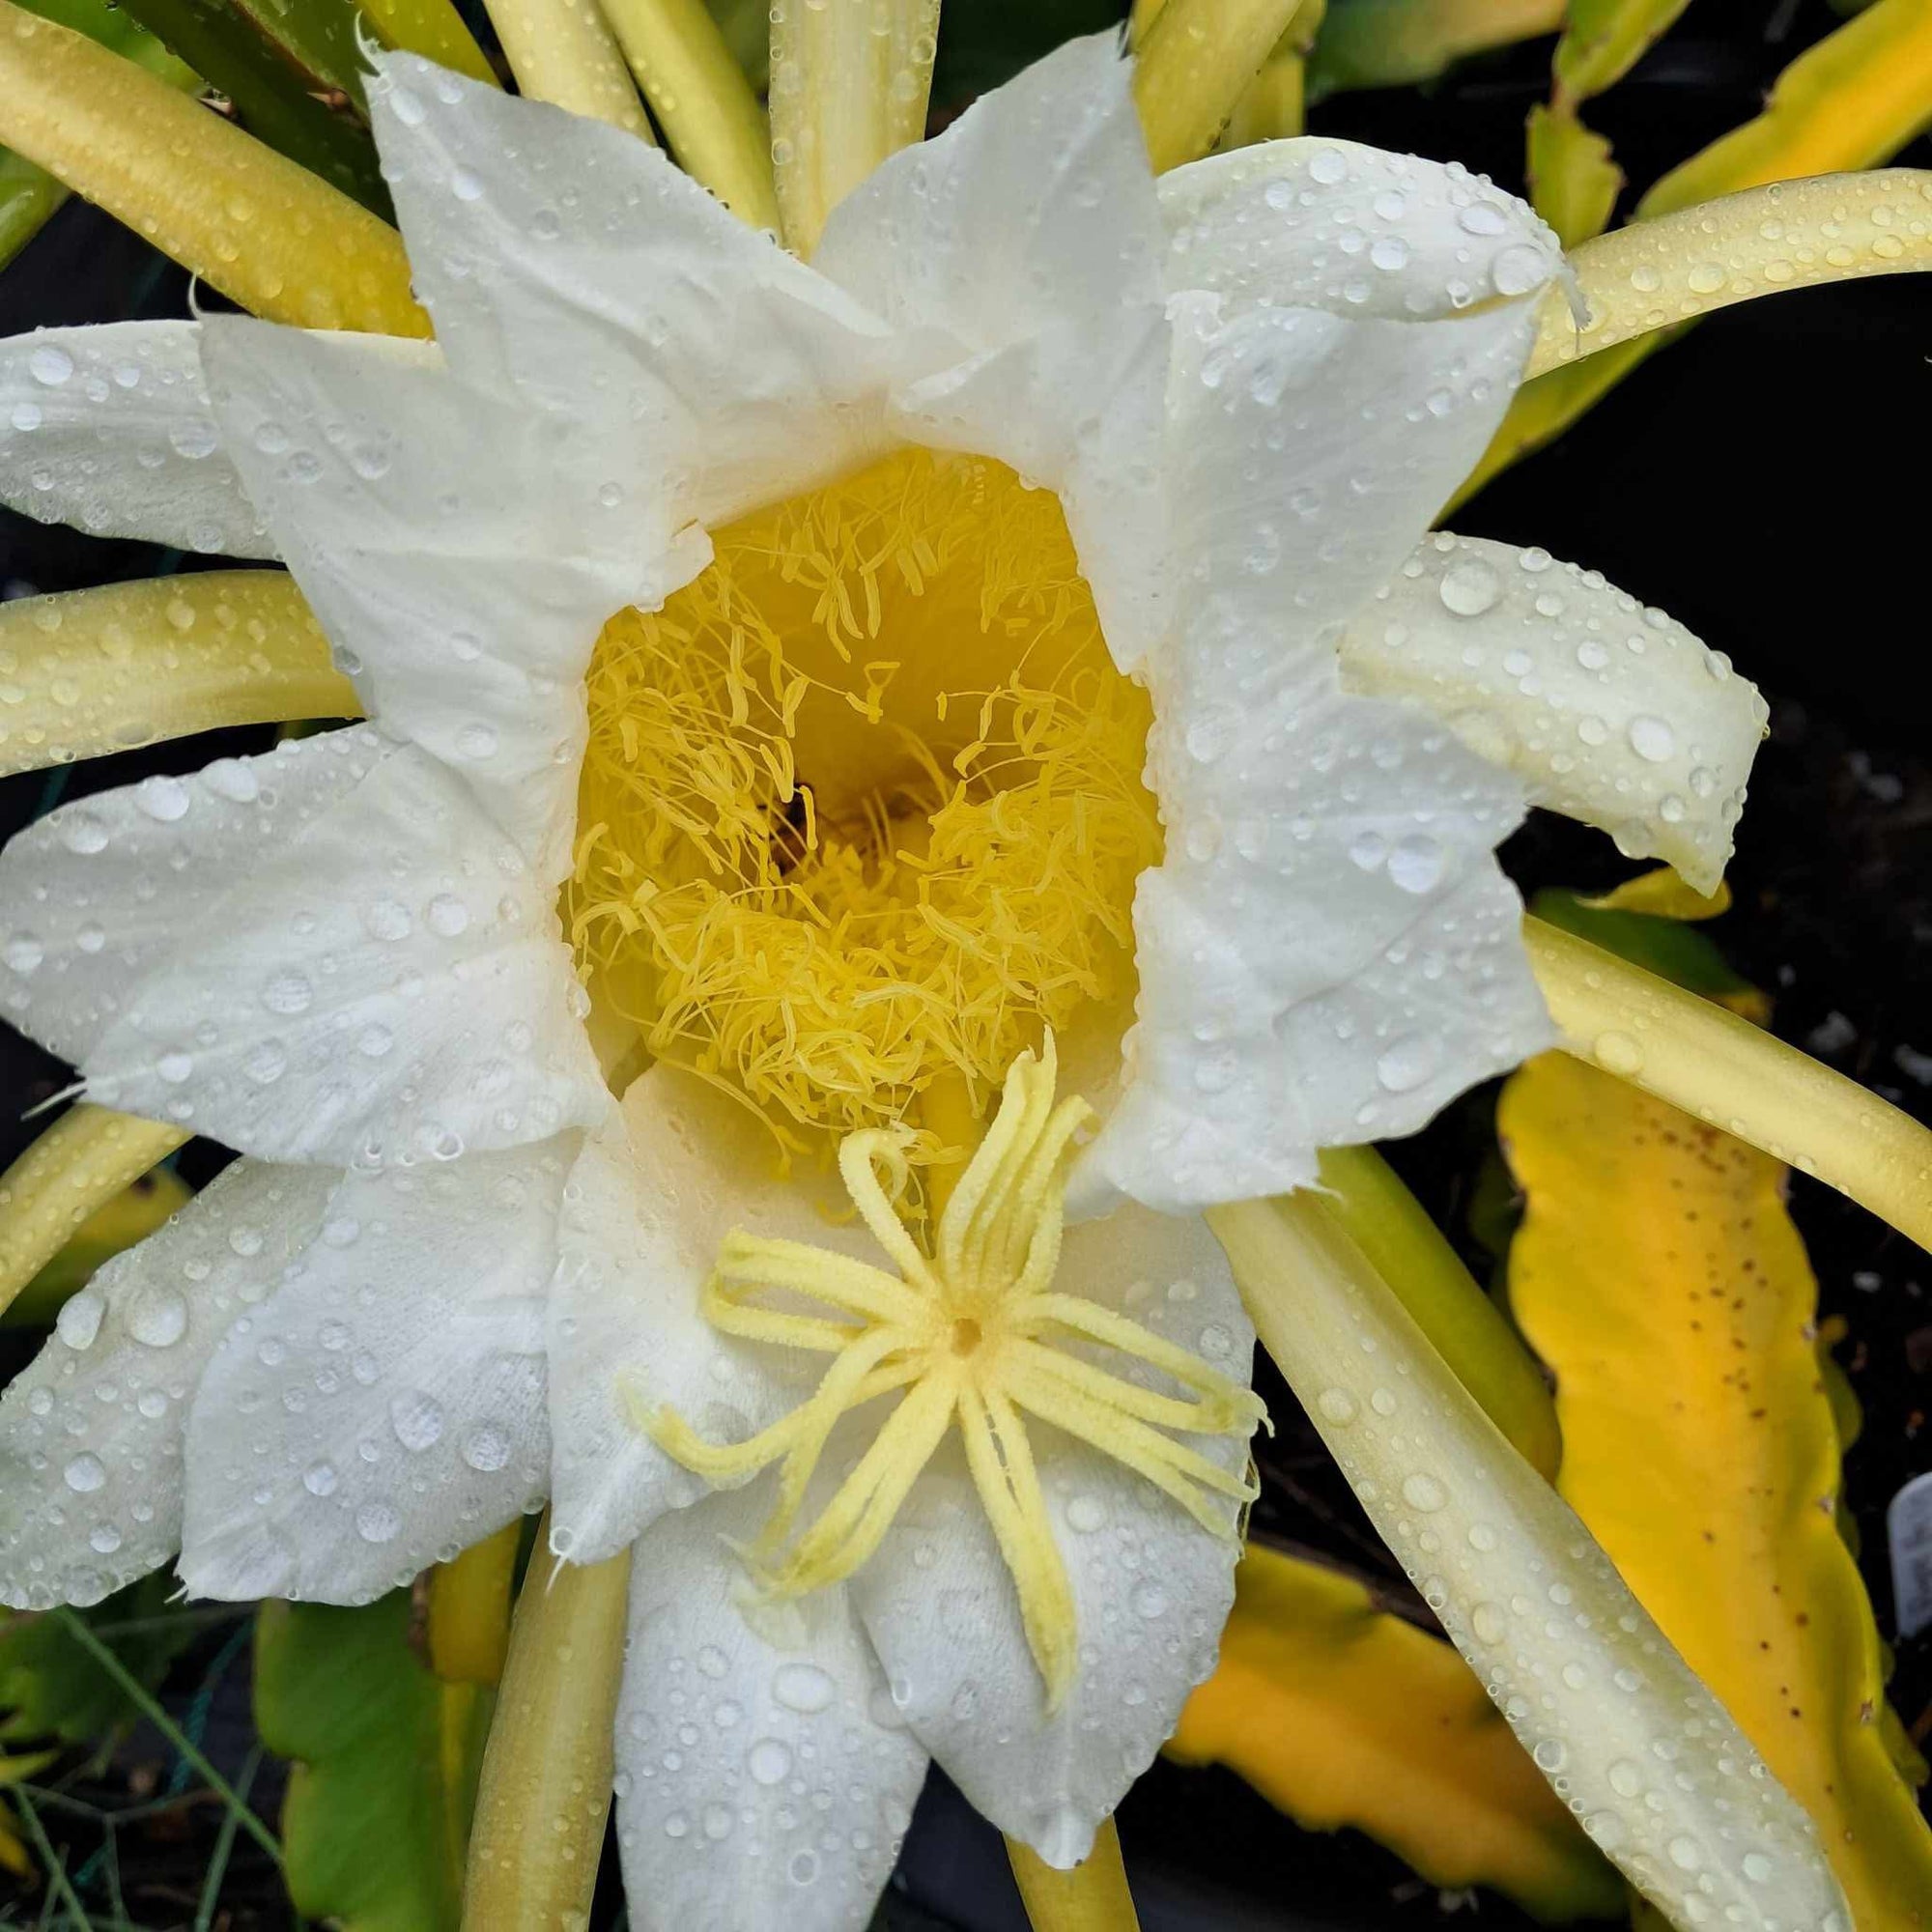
(862,804)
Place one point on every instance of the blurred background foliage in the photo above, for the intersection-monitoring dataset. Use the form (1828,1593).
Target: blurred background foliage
(166,1763)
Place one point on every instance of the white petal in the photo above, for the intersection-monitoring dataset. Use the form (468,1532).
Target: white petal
(764,1777)
(1329,951)
(109,429)
(1328,955)
(455,549)
(91,1431)
(326,954)
(569,263)
(1021,256)
(384,1407)
(1152,1587)
(646,1210)
(1318,223)
(1608,711)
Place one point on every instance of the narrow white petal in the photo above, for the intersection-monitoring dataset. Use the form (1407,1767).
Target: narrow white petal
(91,1431)
(1651,1763)
(647,1206)
(1020,256)
(1152,1587)
(456,549)
(109,429)
(1319,223)
(764,1777)
(570,264)
(384,1407)
(326,954)
(1608,711)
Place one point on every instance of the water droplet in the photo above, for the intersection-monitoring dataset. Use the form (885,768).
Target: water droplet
(50,365)
(1405,1064)
(288,993)
(1617,1053)
(447,916)
(416,1417)
(157,1318)
(1417,861)
(1652,739)
(1336,1405)
(378,1523)
(78,1322)
(803,1688)
(163,798)
(768,1761)
(1424,1492)
(486,1448)
(1086,1513)
(319,1479)
(1626,1778)
(85,1473)
(1469,587)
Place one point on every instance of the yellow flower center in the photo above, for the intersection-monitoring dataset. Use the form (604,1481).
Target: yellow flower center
(971,1333)
(861,805)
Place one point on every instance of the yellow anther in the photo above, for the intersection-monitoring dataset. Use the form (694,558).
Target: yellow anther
(862,808)
(974,1336)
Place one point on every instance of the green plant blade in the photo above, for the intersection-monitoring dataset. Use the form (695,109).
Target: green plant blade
(386,1758)
(269,93)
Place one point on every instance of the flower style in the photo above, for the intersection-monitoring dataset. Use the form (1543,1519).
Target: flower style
(798,696)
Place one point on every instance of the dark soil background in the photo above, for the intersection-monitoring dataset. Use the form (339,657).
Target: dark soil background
(1765,481)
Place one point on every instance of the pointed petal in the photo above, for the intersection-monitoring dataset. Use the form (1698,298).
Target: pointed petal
(1319,223)
(1608,711)
(91,1431)
(764,1777)
(455,549)
(646,1209)
(568,263)
(1328,953)
(324,952)
(1151,1588)
(109,429)
(1020,255)
(384,1407)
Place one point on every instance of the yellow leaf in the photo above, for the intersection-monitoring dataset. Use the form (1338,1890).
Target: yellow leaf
(1572,179)
(1659,1276)
(1851,102)
(1663,895)
(1340,1714)
(15,1771)
(1603,39)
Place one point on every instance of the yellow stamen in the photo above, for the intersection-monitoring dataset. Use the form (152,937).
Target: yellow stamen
(563,51)
(862,807)
(85,672)
(973,1335)
(711,119)
(1793,235)
(849,86)
(264,232)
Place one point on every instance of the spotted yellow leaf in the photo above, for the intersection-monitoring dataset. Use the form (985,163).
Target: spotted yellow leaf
(1340,1714)
(1659,1276)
